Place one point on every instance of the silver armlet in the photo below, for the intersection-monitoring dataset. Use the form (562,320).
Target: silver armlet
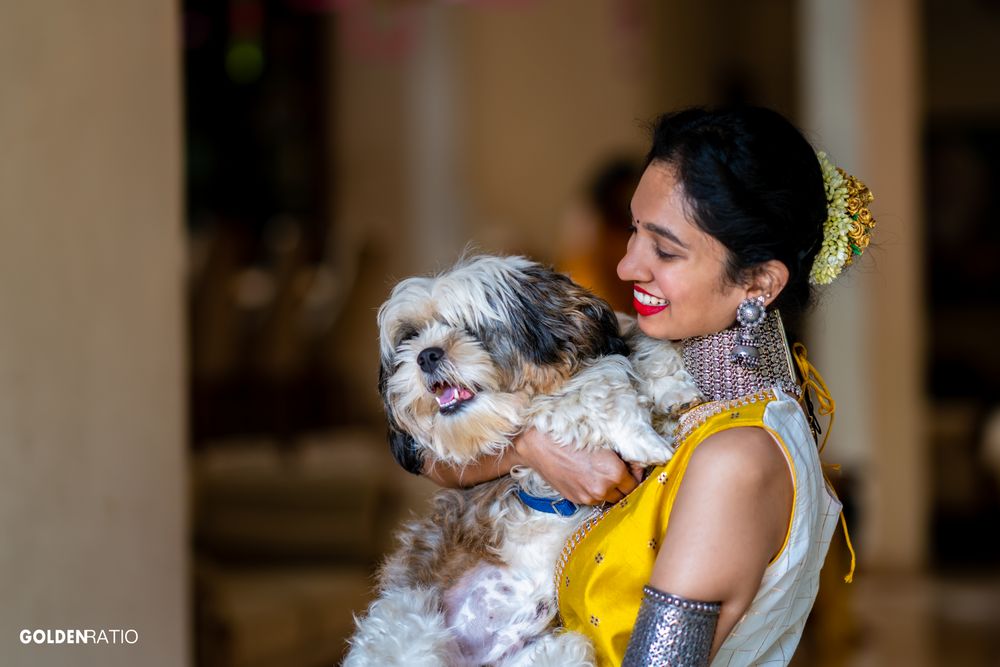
(671,630)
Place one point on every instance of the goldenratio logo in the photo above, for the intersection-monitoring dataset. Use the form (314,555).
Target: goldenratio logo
(77,636)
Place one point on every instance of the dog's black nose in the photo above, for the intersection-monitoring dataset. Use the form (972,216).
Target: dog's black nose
(429,358)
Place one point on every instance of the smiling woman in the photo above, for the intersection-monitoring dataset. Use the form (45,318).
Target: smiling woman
(714,556)
(726,221)
(673,264)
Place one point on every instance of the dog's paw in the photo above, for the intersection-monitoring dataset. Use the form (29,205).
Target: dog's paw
(404,627)
(555,649)
(645,447)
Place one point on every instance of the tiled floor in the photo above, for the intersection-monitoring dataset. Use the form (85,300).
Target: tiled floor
(946,621)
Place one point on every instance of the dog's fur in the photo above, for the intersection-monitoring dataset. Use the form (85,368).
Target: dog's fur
(525,346)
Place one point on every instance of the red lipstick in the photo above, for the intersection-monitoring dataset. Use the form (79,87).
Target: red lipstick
(643,309)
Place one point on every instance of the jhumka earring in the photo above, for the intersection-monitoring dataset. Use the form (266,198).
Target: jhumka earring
(750,313)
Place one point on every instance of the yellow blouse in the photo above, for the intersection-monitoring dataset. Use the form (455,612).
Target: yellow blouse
(604,566)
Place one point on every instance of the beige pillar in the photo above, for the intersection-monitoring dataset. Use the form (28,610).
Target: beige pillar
(900,493)
(92,485)
(861,103)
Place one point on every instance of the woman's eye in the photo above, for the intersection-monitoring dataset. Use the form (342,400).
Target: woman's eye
(632,228)
(664,255)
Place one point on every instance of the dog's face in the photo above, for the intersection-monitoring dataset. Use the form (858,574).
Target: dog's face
(463,353)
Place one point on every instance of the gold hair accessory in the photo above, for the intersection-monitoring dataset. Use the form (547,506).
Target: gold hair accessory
(849,223)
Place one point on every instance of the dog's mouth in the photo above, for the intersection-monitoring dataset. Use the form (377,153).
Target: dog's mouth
(451,398)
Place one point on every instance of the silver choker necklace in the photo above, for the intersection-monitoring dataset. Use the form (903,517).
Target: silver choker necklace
(706,358)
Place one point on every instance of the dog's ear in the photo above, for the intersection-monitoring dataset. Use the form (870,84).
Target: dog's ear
(563,320)
(608,338)
(402,445)
(383,380)
(404,449)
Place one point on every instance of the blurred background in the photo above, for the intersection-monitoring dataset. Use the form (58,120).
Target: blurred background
(203,203)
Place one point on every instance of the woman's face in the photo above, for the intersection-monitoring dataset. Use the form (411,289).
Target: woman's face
(677,270)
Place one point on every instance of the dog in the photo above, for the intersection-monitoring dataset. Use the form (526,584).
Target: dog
(469,359)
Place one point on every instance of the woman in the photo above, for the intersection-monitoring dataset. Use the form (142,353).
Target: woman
(715,556)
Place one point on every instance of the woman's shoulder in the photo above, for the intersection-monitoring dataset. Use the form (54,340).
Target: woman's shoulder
(742,455)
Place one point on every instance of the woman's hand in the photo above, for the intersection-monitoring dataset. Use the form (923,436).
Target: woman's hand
(585,478)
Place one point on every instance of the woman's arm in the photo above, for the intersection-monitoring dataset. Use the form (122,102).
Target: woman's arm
(729,520)
(482,470)
(586,478)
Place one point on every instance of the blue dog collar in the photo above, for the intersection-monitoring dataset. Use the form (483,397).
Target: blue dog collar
(559,506)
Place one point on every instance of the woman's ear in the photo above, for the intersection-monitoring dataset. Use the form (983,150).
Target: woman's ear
(768,280)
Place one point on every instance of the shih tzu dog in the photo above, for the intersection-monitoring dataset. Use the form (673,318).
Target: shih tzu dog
(469,359)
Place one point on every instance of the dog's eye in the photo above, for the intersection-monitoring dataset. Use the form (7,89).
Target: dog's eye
(470,333)
(405,335)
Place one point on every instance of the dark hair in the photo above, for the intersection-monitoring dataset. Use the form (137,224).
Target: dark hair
(752,181)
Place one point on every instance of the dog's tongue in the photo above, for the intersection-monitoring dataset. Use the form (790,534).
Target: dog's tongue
(451,394)
(447,396)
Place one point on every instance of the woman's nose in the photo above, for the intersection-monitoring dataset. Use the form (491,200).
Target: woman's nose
(627,266)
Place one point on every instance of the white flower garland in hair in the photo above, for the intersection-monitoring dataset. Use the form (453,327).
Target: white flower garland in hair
(848,222)
(833,254)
